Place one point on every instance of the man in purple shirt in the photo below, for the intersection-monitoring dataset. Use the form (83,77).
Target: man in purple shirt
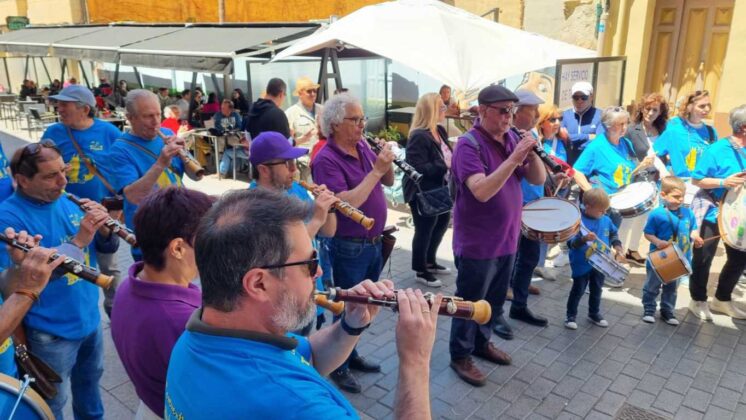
(153,304)
(488,165)
(350,169)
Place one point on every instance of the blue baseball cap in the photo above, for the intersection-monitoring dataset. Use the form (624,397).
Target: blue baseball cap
(76,93)
(271,145)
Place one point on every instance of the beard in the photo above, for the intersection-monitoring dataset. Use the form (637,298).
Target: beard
(293,314)
(279,182)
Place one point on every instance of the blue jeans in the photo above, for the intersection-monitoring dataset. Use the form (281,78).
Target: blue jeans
(80,364)
(650,291)
(227,159)
(353,262)
(529,254)
(479,279)
(593,279)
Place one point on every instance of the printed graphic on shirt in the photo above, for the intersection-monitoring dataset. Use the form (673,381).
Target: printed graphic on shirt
(691,158)
(622,175)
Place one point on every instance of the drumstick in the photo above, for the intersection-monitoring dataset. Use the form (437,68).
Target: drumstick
(542,209)
(711,238)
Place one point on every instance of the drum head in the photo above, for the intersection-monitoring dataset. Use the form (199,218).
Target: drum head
(732,218)
(32,406)
(550,215)
(632,195)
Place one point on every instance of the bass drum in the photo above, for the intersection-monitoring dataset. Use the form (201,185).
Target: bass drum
(31,406)
(732,218)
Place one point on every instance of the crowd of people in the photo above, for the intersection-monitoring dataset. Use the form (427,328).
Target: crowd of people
(250,340)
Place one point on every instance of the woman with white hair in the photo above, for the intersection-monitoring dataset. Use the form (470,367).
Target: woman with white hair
(609,160)
(720,168)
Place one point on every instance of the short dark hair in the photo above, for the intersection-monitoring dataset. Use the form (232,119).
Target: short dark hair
(185,92)
(26,162)
(276,86)
(246,229)
(167,214)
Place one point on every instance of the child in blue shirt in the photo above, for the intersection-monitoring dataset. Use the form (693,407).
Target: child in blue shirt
(666,224)
(601,229)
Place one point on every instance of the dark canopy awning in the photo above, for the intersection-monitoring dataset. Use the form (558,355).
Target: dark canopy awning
(104,45)
(36,41)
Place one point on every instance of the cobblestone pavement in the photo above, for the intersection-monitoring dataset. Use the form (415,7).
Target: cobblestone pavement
(696,370)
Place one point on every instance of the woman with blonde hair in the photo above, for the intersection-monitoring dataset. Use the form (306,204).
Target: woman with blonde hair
(430,154)
(687,136)
(548,128)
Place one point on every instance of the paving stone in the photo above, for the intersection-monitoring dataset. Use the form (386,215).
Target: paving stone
(522,406)
(512,390)
(556,371)
(492,409)
(698,400)
(610,403)
(580,404)
(733,380)
(583,370)
(597,415)
(651,383)
(596,385)
(636,369)
(568,387)
(678,383)
(610,369)
(551,406)
(668,401)
(687,367)
(717,413)
(705,381)
(540,388)
(623,384)
(546,357)
(378,411)
(530,372)
(685,413)
(641,399)
(725,398)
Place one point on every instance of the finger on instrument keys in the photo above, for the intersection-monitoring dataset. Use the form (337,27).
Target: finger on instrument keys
(436,305)
(389,285)
(368,288)
(403,298)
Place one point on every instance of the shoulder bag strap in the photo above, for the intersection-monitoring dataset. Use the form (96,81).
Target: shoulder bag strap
(148,152)
(87,162)
(470,137)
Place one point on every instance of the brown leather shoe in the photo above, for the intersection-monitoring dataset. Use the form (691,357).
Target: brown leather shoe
(468,371)
(533,290)
(492,354)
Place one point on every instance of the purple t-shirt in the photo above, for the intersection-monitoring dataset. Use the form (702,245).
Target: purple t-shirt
(146,320)
(341,171)
(485,230)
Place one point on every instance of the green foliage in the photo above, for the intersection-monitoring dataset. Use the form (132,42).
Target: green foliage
(390,134)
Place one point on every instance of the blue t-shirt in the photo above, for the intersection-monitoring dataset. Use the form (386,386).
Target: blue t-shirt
(297,191)
(6,181)
(68,306)
(661,223)
(95,141)
(720,160)
(609,165)
(131,163)
(237,378)
(683,144)
(7,351)
(606,233)
(559,149)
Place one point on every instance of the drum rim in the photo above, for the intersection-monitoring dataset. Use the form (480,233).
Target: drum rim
(681,258)
(31,397)
(722,227)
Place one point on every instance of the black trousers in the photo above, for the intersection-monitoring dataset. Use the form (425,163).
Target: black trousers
(702,258)
(428,233)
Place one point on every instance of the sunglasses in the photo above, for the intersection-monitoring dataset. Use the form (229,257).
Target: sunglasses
(311,92)
(555,119)
(503,110)
(34,148)
(312,264)
(580,97)
(697,94)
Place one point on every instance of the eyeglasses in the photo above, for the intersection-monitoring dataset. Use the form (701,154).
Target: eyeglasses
(555,119)
(357,120)
(289,163)
(503,110)
(580,97)
(311,92)
(312,264)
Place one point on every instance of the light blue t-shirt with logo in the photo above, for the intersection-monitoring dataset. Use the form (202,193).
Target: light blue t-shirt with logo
(684,145)
(68,306)
(224,377)
(606,164)
(95,142)
(720,160)
(662,223)
(6,181)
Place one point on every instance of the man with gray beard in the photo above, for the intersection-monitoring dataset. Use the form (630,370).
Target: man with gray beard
(236,358)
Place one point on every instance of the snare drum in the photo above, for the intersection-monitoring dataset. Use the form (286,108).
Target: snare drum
(551,220)
(691,191)
(615,273)
(30,406)
(732,218)
(635,199)
(669,263)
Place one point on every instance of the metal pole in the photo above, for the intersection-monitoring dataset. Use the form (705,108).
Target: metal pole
(215,85)
(64,67)
(46,70)
(137,76)
(249,94)
(116,76)
(25,69)
(85,76)
(191,98)
(385,93)
(36,73)
(7,75)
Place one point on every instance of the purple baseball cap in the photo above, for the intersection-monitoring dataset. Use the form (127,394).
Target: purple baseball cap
(271,145)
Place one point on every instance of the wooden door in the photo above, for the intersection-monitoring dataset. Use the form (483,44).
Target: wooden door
(688,47)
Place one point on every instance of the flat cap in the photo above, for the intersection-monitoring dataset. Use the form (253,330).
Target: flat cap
(496,93)
(527,97)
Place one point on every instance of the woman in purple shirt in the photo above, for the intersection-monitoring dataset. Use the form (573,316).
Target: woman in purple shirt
(152,305)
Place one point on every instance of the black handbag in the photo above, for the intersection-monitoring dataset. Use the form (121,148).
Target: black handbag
(434,202)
